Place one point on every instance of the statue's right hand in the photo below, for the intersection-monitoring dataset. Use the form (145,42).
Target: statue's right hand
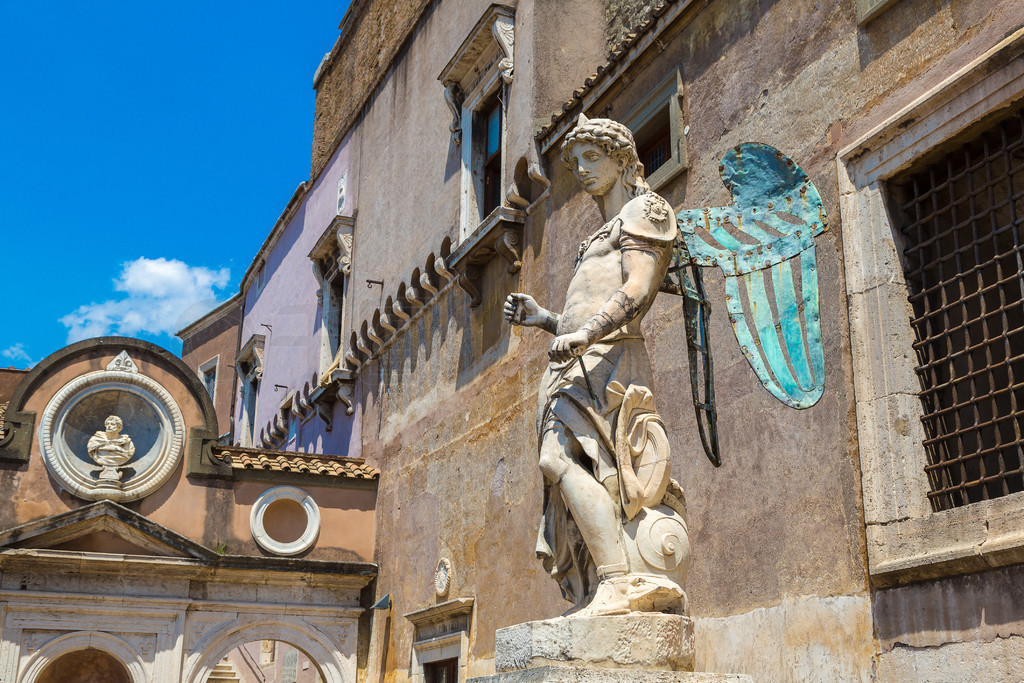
(522,309)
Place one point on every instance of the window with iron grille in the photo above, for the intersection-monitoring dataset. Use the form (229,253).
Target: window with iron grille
(961,217)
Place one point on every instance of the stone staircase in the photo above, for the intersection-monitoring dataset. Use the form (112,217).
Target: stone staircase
(224,673)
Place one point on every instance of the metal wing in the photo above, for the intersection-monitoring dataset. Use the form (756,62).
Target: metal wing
(771,225)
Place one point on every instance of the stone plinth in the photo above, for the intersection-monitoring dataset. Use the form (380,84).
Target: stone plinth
(633,648)
(648,642)
(579,674)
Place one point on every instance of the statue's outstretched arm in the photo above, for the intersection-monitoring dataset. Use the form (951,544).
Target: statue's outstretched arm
(522,309)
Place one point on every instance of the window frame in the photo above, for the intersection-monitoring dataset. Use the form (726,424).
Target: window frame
(213,363)
(474,160)
(249,363)
(668,93)
(481,68)
(331,259)
(906,540)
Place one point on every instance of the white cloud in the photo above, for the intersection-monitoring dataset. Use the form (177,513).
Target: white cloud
(17,353)
(162,296)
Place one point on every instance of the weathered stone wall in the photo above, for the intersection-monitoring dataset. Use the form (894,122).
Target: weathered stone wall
(623,17)
(971,625)
(778,582)
(361,58)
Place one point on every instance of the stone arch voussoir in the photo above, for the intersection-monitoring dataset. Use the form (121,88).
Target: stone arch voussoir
(292,630)
(107,643)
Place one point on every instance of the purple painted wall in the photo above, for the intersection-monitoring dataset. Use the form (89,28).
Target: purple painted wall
(287,303)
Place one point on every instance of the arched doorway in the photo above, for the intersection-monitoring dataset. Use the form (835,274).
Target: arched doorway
(88,665)
(266,661)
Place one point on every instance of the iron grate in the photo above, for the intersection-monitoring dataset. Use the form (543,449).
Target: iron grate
(961,220)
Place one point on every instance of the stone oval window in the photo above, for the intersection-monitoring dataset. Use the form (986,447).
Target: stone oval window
(285,520)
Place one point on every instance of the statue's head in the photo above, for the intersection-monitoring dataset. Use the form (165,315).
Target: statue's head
(600,152)
(113,424)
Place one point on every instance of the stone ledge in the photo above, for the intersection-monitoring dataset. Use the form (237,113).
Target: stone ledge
(579,674)
(962,540)
(647,642)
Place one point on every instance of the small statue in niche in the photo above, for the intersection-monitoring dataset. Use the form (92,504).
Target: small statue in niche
(111,450)
(613,531)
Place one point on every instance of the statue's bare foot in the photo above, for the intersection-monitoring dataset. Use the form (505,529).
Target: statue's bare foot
(612,597)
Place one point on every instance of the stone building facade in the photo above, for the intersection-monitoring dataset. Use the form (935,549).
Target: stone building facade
(135,549)
(874,536)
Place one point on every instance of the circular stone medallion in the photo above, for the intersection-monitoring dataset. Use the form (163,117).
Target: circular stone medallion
(281,522)
(77,413)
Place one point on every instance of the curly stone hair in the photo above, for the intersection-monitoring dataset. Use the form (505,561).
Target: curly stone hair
(615,139)
(120,422)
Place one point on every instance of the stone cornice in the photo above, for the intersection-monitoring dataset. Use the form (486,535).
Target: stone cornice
(441,612)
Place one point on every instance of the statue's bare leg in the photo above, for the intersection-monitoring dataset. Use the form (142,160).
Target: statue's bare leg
(594,512)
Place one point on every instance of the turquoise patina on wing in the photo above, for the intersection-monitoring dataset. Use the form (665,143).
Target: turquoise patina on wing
(770,226)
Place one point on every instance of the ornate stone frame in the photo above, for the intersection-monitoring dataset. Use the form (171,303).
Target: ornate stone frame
(483,64)
(55,453)
(906,540)
(331,258)
(452,642)
(259,509)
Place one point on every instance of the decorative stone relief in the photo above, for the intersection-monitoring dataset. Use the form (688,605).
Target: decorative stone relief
(453,98)
(504,33)
(442,576)
(122,363)
(129,467)
(344,235)
(493,38)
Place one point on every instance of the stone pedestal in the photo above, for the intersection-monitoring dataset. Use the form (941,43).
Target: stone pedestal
(580,674)
(633,648)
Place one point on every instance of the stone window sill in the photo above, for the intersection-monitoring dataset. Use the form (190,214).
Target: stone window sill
(501,233)
(967,539)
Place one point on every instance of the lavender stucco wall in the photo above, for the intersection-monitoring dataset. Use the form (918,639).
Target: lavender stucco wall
(287,303)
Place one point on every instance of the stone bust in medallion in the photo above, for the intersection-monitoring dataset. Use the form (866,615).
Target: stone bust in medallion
(111,449)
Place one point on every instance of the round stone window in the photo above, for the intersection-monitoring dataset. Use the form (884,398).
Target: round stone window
(285,520)
(111,435)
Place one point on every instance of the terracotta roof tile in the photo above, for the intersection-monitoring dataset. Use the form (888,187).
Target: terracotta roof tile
(291,461)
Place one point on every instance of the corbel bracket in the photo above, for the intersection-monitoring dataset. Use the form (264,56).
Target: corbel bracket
(501,234)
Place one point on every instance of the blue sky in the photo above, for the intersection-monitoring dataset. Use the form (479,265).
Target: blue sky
(146,150)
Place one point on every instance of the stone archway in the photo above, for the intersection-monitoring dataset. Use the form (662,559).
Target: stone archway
(317,645)
(84,666)
(111,649)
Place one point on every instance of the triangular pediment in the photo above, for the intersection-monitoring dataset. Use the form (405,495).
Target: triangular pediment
(103,527)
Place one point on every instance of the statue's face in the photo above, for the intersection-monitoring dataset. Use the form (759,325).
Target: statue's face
(595,169)
(111,425)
